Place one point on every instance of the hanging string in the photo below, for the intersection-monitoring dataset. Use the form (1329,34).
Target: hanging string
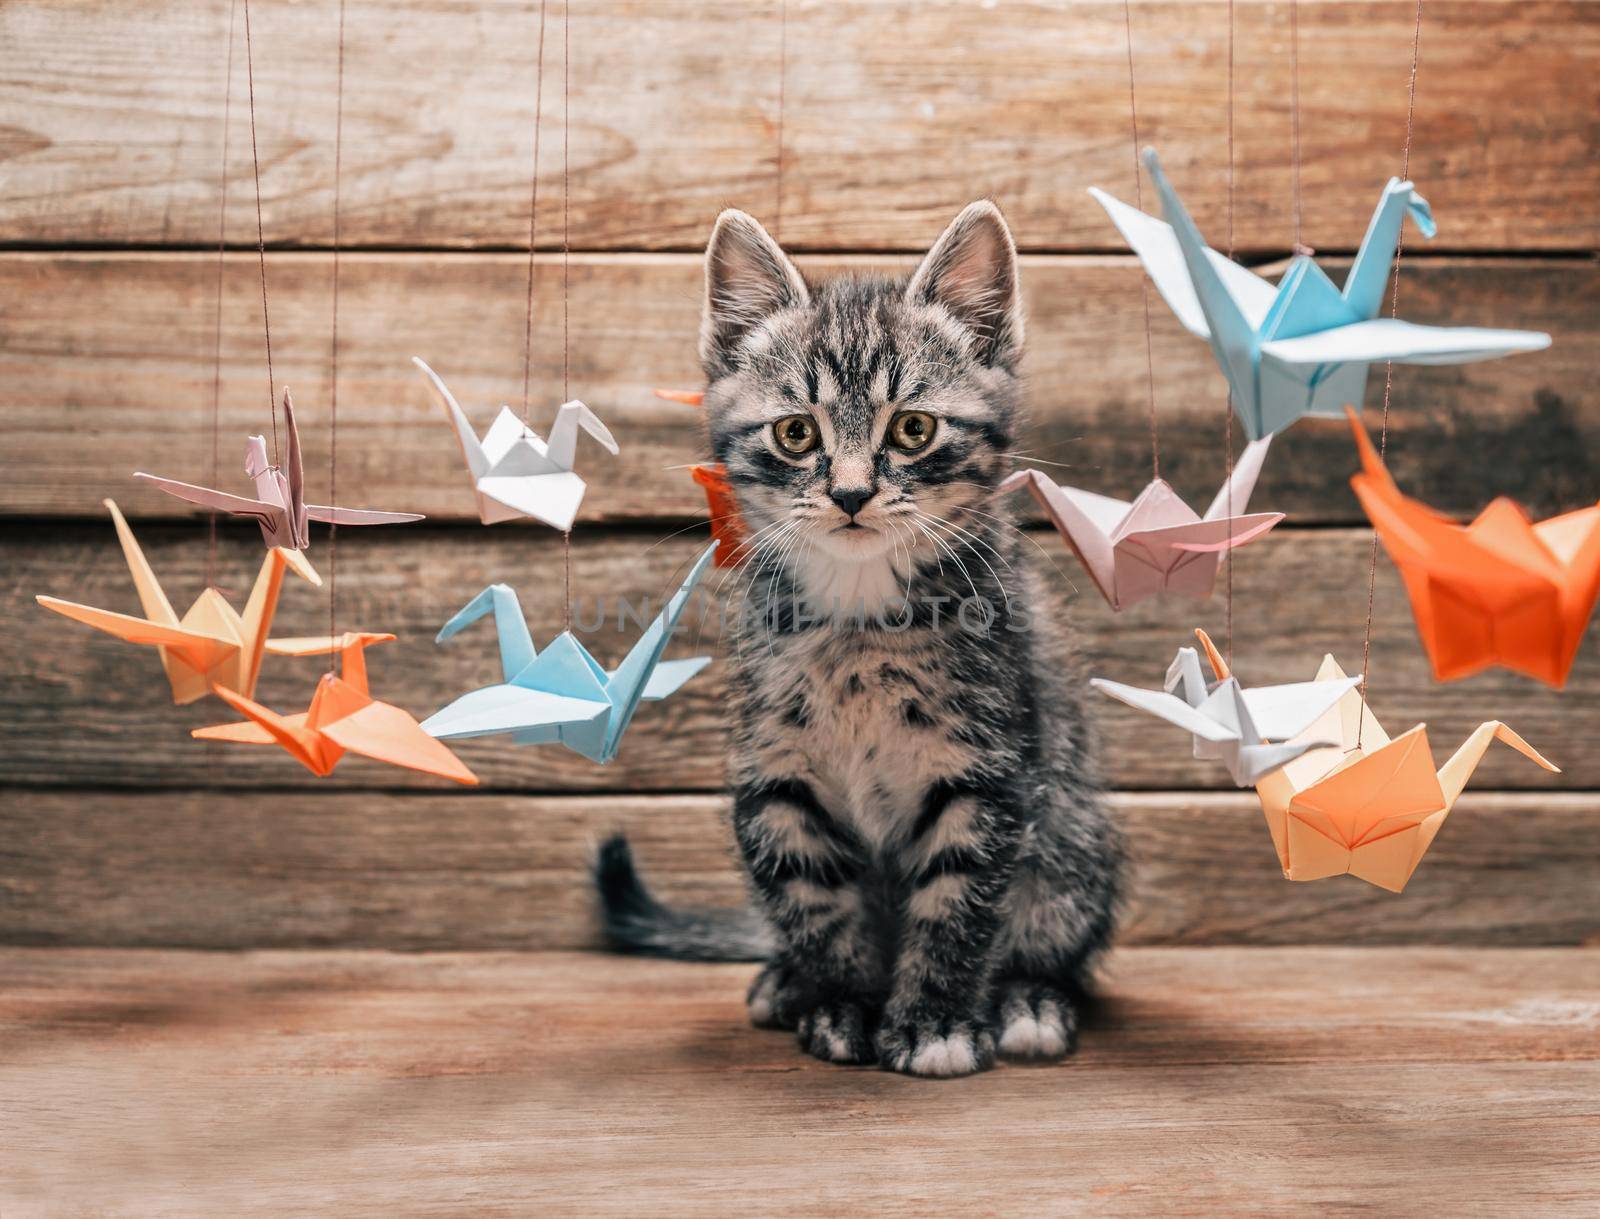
(1294,118)
(1144,281)
(333,360)
(533,210)
(222,250)
(261,241)
(1388,376)
(783,62)
(1228,402)
(566,260)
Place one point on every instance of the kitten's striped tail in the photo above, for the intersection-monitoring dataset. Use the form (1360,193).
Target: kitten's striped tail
(636,922)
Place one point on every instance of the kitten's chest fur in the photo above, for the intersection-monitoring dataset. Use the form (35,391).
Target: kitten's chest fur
(865,717)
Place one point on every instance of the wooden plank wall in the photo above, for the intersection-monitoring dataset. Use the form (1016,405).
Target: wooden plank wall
(115,829)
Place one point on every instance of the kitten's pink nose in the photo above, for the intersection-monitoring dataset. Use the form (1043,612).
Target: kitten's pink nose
(850,499)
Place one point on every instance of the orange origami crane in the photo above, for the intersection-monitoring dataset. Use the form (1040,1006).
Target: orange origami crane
(343,717)
(1501,590)
(1369,806)
(212,645)
(727,526)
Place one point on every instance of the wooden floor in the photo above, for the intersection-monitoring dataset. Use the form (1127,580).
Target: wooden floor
(1211,1081)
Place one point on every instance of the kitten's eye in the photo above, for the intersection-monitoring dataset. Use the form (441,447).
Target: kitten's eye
(796,434)
(911,430)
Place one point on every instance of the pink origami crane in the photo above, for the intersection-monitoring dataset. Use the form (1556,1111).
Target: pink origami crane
(1157,543)
(281,509)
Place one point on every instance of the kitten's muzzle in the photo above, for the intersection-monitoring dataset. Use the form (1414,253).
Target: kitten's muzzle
(850,499)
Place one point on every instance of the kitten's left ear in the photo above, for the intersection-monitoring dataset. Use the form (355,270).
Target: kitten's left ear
(972,272)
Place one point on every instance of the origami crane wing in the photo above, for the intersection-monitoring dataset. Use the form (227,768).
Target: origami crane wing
(1282,712)
(1404,342)
(197,650)
(247,732)
(551,498)
(1168,707)
(385,733)
(1205,537)
(359,516)
(220,501)
(508,708)
(669,677)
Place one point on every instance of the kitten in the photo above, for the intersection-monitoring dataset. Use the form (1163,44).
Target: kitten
(933,867)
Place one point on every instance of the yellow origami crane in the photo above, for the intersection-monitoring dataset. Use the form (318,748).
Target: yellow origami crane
(1369,806)
(211,645)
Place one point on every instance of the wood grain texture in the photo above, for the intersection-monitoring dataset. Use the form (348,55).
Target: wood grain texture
(1238,1082)
(230,870)
(82,708)
(896,114)
(106,367)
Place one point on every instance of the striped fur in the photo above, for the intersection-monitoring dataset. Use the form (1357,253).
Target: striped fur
(913,787)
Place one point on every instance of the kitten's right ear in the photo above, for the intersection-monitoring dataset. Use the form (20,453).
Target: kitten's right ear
(748,278)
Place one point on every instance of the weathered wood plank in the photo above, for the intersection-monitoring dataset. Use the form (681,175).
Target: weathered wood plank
(495,871)
(80,708)
(106,366)
(1238,1082)
(896,113)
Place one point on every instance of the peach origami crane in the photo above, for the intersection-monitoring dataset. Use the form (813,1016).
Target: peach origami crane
(343,717)
(280,507)
(727,525)
(1369,806)
(1501,590)
(1157,543)
(210,646)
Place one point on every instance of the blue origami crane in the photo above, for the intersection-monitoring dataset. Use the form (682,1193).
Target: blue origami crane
(562,694)
(1302,347)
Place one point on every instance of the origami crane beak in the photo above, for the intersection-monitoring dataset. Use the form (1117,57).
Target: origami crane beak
(255,456)
(1419,211)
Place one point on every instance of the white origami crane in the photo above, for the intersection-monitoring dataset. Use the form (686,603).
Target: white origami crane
(1301,347)
(1157,543)
(1233,725)
(514,472)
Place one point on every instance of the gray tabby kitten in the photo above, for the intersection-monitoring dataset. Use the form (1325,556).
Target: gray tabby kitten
(933,867)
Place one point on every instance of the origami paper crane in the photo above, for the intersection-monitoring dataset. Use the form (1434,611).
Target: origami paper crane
(1302,347)
(343,717)
(514,472)
(1366,804)
(1157,543)
(727,525)
(1233,725)
(212,644)
(562,694)
(1501,590)
(280,506)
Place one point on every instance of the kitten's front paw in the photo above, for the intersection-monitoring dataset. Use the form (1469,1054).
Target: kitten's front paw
(935,1048)
(837,1032)
(1036,1021)
(773,998)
